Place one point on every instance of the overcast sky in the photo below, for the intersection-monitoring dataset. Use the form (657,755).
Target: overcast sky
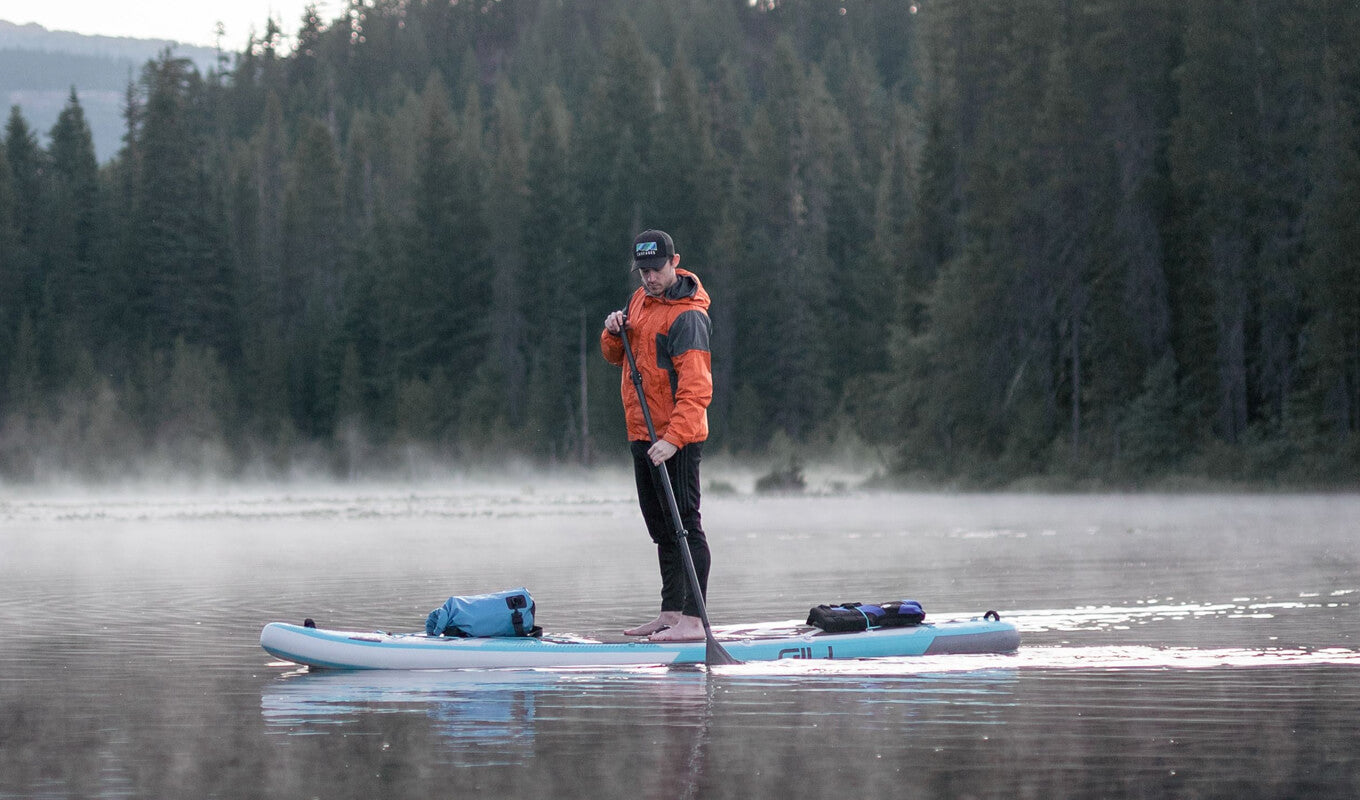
(186,21)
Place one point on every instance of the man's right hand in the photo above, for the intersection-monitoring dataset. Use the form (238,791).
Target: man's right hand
(614,322)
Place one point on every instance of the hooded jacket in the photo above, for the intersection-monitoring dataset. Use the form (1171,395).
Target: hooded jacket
(670,340)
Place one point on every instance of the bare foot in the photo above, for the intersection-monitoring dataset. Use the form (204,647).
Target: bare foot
(686,629)
(662,622)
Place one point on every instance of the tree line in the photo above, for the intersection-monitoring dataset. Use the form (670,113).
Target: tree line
(1106,240)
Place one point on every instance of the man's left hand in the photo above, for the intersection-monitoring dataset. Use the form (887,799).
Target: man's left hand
(660,451)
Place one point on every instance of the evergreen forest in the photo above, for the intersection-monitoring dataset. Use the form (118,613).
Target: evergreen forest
(981,242)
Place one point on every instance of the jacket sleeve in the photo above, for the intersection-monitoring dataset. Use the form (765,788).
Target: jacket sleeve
(689,419)
(612,348)
(611,345)
(692,361)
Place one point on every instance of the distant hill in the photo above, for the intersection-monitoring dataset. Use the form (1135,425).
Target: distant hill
(38,68)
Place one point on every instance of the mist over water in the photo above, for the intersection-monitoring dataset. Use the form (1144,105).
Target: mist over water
(1173,645)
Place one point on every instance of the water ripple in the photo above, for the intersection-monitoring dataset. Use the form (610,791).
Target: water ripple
(1057,658)
(1109,617)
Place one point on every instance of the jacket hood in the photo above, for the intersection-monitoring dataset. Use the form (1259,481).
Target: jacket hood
(686,290)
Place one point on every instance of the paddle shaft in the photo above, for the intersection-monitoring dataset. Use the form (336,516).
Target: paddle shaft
(715,653)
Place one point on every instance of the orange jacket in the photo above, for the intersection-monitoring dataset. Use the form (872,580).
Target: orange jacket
(669,336)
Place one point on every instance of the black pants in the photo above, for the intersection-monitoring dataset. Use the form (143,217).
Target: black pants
(683,468)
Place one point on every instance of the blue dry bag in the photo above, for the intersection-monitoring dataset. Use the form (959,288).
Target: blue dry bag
(863,616)
(508,613)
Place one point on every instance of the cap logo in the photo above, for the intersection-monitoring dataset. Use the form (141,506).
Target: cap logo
(645,250)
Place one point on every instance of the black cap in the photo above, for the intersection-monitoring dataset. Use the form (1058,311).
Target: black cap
(652,249)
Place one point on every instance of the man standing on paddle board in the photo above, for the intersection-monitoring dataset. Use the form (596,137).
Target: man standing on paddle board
(668,329)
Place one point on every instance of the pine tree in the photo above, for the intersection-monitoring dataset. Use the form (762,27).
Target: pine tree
(788,189)
(313,252)
(685,164)
(612,164)
(9,233)
(888,289)
(9,268)
(446,285)
(27,165)
(75,242)
(181,291)
(1128,52)
(193,411)
(1071,227)
(1332,265)
(23,377)
(1153,435)
(1212,150)
(511,255)
(553,304)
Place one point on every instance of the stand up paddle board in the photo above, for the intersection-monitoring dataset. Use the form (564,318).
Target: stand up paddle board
(331,649)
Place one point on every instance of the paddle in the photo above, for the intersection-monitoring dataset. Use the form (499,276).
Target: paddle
(714,654)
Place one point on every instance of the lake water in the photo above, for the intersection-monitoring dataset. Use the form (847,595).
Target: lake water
(1174,646)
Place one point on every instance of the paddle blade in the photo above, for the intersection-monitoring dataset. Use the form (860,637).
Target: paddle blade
(716,656)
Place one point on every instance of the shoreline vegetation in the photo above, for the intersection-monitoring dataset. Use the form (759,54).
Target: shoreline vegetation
(974,244)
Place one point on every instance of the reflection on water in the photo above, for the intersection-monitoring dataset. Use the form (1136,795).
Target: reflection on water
(490,719)
(1105,724)
(496,707)
(1172,648)
(488,715)
(594,723)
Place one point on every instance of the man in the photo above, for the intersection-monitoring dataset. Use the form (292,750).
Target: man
(668,329)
